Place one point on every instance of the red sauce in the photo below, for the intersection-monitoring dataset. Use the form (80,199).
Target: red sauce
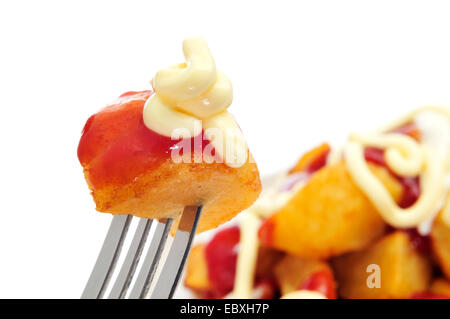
(221,258)
(411,193)
(375,156)
(411,185)
(321,281)
(409,129)
(313,160)
(428,295)
(266,232)
(319,162)
(116,146)
(420,243)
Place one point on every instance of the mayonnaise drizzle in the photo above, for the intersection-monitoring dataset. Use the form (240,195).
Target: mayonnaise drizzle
(406,157)
(247,257)
(304,294)
(268,202)
(194,96)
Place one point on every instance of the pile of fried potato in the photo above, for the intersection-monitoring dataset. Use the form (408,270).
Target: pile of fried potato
(330,226)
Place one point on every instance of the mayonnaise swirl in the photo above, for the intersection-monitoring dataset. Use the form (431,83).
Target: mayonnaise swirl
(194,96)
(408,158)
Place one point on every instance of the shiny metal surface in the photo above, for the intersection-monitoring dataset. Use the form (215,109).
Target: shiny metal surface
(179,251)
(126,273)
(107,258)
(170,271)
(151,261)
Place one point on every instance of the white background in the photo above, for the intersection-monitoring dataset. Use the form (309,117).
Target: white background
(303,73)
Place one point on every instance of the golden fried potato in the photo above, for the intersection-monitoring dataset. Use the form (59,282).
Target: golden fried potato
(328,217)
(129,170)
(440,286)
(391,268)
(224,191)
(440,239)
(312,159)
(197,270)
(292,271)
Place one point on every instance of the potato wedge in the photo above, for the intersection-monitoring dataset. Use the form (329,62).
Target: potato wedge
(312,160)
(328,217)
(402,270)
(440,286)
(197,271)
(440,239)
(292,271)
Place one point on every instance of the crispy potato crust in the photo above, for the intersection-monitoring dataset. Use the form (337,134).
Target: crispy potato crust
(292,271)
(440,286)
(403,270)
(164,192)
(197,270)
(440,242)
(328,217)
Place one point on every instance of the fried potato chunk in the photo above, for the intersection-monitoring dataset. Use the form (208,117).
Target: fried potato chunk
(440,239)
(197,271)
(328,217)
(129,170)
(391,268)
(440,286)
(313,159)
(292,271)
(223,191)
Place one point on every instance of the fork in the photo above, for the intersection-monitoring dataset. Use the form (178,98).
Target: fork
(165,283)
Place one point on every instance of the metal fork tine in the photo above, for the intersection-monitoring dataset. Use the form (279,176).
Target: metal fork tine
(107,258)
(123,280)
(151,260)
(179,251)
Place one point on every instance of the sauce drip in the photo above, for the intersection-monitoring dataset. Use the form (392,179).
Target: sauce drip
(221,258)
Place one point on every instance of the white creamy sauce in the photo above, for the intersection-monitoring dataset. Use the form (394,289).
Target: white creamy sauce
(435,130)
(304,294)
(193,96)
(406,157)
(247,257)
